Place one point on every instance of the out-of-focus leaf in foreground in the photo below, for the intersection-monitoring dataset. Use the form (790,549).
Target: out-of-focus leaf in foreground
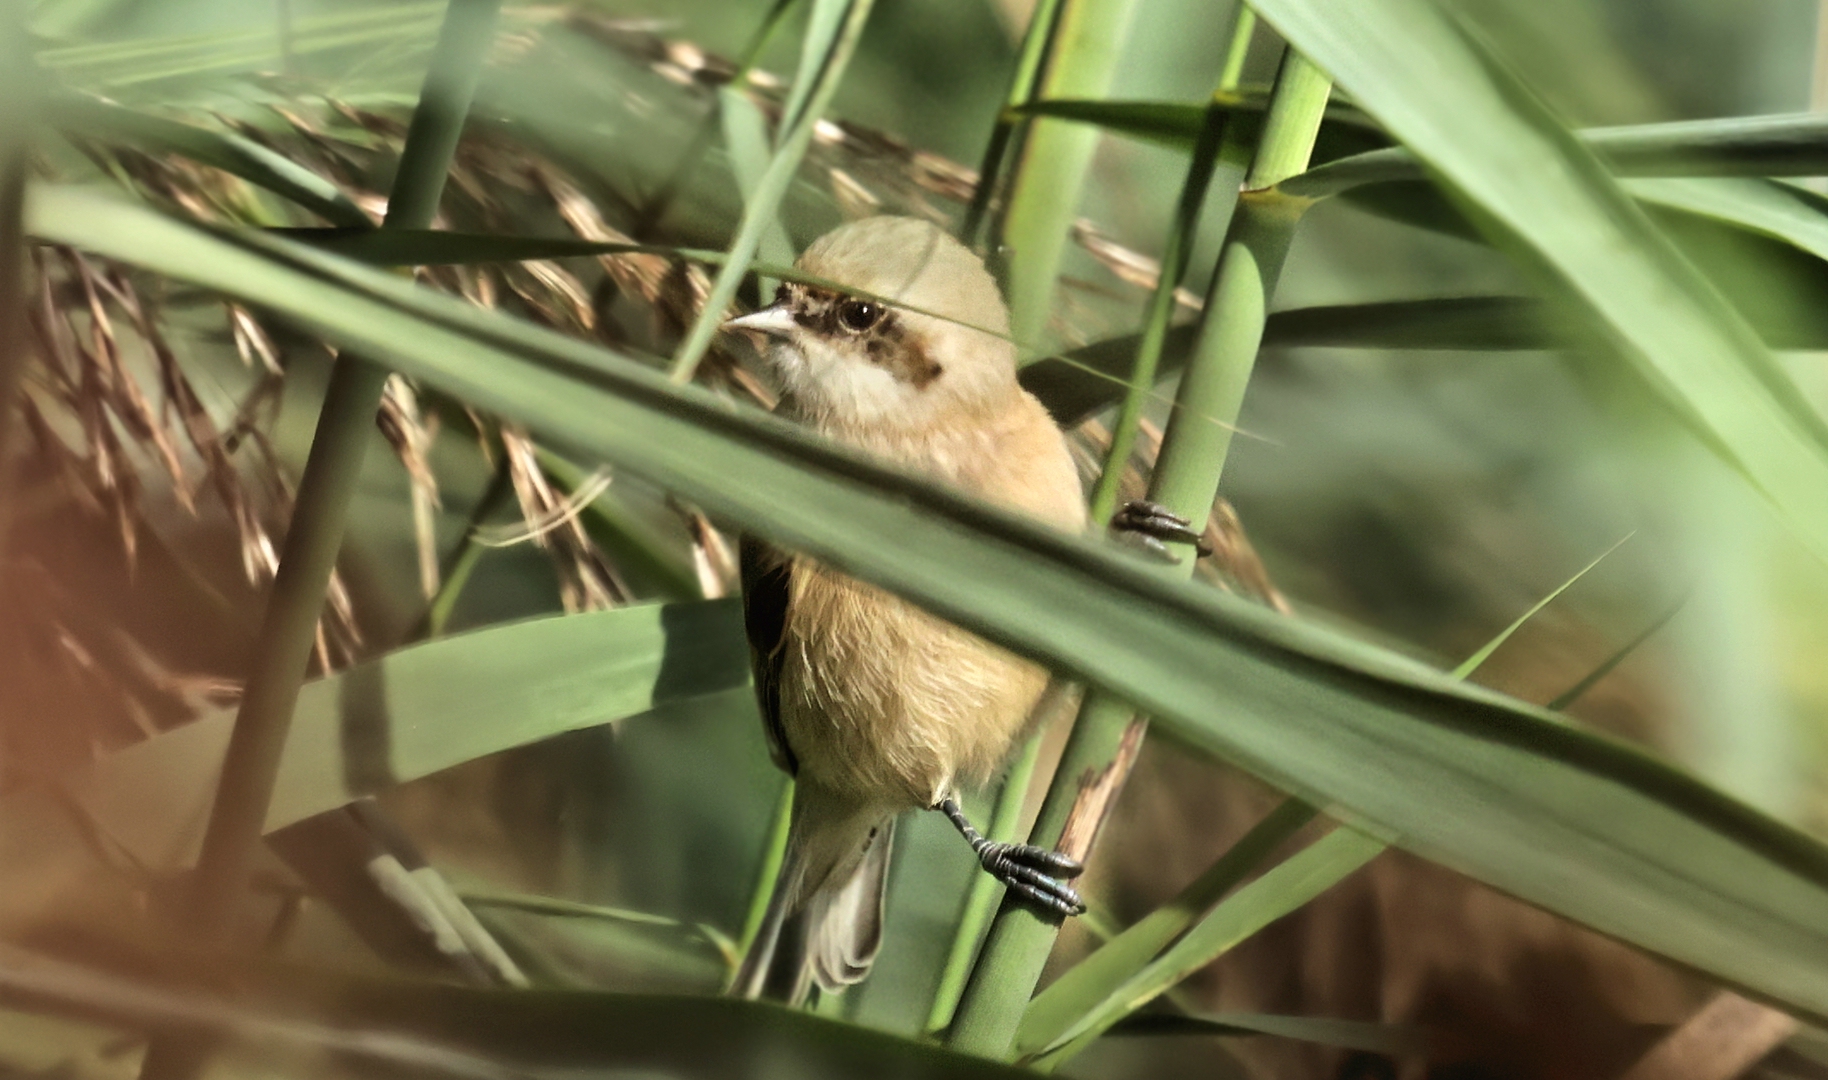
(1580,824)
(434,1030)
(424,709)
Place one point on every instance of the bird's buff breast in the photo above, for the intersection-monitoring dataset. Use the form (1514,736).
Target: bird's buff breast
(878,696)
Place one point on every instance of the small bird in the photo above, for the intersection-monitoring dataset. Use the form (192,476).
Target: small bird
(874,706)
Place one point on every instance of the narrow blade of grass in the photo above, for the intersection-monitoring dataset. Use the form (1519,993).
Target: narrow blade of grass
(1437,89)
(1078,992)
(1287,886)
(223,150)
(1472,663)
(828,47)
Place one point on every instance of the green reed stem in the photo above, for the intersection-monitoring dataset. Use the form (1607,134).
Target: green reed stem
(1049,171)
(461,563)
(1177,249)
(1022,84)
(656,205)
(774,852)
(1107,734)
(759,211)
(283,648)
(980,901)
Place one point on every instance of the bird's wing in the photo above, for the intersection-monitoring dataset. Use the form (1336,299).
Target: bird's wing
(767,582)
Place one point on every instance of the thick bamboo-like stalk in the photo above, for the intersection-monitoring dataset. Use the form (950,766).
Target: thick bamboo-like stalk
(283,648)
(774,852)
(1208,151)
(1107,736)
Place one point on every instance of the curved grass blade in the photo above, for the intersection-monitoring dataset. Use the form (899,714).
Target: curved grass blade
(1587,682)
(1078,991)
(1572,821)
(1471,663)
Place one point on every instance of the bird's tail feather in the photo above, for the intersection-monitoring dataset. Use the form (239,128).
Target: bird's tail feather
(830,937)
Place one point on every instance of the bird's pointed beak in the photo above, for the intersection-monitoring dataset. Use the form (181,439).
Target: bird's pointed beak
(774,319)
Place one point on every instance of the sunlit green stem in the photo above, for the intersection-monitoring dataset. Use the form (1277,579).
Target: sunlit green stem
(760,210)
(1176,250)
(1107,732)
(980,901)
(1022,83)
(1050,166)
(774,851)
(344,428)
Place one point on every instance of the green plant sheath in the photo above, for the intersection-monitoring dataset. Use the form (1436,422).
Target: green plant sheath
(1186,482)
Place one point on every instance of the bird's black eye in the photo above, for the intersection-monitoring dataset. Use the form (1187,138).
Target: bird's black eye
(859,315)
(781,295)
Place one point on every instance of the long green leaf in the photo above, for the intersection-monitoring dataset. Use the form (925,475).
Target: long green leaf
(1784,145)
(1078,991)
(1345,132)
(1543,195)
(424,709)
(426,1029)
(1575,822)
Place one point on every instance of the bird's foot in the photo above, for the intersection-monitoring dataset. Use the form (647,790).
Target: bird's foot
(1152,523)
(1034,873)
(1029,871)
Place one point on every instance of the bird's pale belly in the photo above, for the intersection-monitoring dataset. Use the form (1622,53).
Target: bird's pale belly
(883,701)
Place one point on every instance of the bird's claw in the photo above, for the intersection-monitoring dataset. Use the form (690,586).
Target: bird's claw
(1152,523)
(1035,873)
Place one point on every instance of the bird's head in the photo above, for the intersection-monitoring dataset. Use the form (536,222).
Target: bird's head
(852,359)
